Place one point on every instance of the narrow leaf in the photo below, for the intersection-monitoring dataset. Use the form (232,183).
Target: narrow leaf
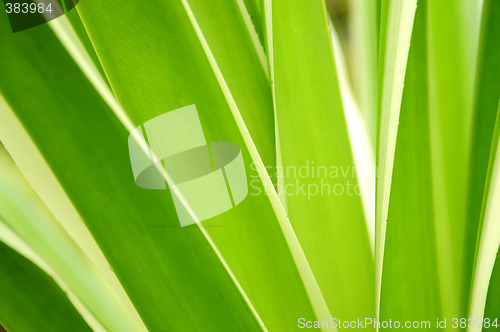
(31,300)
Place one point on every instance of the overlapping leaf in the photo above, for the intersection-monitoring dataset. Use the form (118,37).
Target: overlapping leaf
(327,219)
(410,267)
(171,274)
(31,300)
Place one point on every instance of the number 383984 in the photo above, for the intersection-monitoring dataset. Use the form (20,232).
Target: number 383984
(27,7)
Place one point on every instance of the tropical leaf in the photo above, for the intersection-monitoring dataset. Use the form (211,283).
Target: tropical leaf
(484,140)
(24,214)
(320,238)
(492,309)
(313,136)
(44,305)
(78,108)
(396,24)
(489,233)
(109,228)
(410,267)
(364,29)
(451,59)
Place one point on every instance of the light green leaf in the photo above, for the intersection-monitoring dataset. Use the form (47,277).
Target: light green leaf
(489,232)
(487,94)
(313,136)
(452,44)
(31,300)
(255,9)
(177,265)
(364,27)
(492,310)
(26,215)
(396,26)
(410,267)
(160,253)
(484,139)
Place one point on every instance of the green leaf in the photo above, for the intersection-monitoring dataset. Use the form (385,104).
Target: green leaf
(24,213)
(268,76)
(176,266)
(492,310)
(452,45)
(487,96)
(410,267)
(169,272)
(31,300)
(83,37)
(243,64)
(313,133)
(255,9)
(489,230)
(396,26)
(219,123)
(364,26)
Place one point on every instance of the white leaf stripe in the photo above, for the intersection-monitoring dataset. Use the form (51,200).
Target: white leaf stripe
(399,31)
